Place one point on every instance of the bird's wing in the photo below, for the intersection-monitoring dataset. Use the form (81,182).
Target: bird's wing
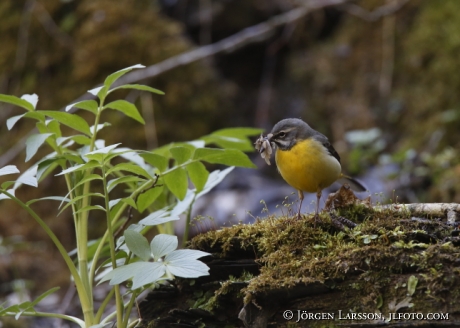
(354,184)
(325,142)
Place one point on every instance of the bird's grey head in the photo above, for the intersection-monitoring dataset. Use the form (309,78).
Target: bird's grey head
(287,132)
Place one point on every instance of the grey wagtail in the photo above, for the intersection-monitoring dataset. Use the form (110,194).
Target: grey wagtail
(305,158)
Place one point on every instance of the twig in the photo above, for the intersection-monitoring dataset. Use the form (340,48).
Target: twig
(372,16)
(388,53)
(205,16)
(65,303)
(23,37)
(51,27)
(150,128)
(268,75)
(130,209)
(449,210)
(256,33)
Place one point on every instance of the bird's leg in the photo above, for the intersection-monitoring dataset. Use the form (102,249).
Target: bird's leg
(318,198)
(300,205)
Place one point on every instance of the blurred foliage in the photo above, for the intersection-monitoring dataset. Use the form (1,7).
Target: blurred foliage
(75,58)
(335,80)
(427,80)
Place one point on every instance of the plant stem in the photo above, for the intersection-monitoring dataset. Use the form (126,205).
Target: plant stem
(114,220)
(85,298)
(100,312)
(129,307)
(81,223)
(187,224)
(119,300)
(79,322)
(81,248)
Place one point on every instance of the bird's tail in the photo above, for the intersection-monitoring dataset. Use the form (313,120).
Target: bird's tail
(354,184)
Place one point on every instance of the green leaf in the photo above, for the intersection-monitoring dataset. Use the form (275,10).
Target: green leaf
(236,138)
(17,101)
(114,202)
(132,168)
(32,99)
(230,157)
(46,166)
(89,105)
(164,150)
(81,139)
(9,169)
(45,294)
(57,198)
(71,120)
(80,167)
(104,150)
(54,127)
(162,245)
(87,178)
(24,306)
(100,92)
(176,181)
(130,202)
(102,153)
(90,208)
(36,115)
(72,158)
(183,263)
(137,244)
(78,198)
(151,273)
(99,127)
(156,160)
(215,177)
(10,309)
(159,217)
(198,174)
(138,87)
(34,142)
(115,182)
(184,205)
(28,177)
(147,198)
(115,76)
(123,273)
(43,129)
(181,154)
(13,120)
(411,285)
(126,108)
(5,185)
(143,273)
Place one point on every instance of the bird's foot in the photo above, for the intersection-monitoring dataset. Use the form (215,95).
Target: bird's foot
(316,219)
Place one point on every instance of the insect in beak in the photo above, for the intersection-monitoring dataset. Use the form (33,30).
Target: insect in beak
(264,147)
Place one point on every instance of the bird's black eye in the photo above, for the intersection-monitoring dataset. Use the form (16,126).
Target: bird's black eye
(282,134)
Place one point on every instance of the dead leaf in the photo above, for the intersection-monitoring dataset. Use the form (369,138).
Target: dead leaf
(345,197)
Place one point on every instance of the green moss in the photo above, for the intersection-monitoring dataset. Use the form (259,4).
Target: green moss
(370,264)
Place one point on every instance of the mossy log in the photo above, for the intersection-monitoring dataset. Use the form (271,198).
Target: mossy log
(392,269)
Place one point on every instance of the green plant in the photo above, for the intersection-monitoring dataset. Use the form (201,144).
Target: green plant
(156,180)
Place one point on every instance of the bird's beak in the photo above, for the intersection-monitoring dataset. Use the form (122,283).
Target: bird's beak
(269,136)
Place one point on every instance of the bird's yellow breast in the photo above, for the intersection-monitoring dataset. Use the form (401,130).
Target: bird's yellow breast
(308,166)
